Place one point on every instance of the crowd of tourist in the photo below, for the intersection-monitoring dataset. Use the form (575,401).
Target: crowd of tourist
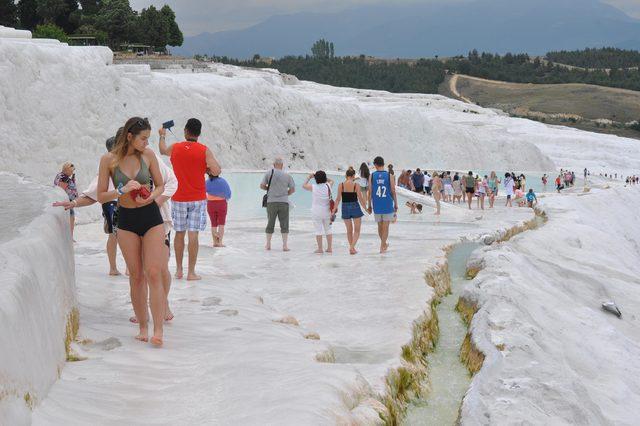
(143,201)
(463,188)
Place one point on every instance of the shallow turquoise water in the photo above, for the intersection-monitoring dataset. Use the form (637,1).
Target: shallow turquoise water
(246,199)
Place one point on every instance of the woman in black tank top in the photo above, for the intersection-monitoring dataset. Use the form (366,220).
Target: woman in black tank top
(351,197)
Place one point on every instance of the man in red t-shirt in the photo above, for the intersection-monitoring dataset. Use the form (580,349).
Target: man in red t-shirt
(190,161)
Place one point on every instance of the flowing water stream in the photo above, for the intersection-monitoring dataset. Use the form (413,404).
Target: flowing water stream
(449,378)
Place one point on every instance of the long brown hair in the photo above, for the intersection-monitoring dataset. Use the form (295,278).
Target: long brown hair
(135,126)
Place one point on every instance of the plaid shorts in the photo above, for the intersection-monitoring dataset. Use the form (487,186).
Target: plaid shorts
(189,215)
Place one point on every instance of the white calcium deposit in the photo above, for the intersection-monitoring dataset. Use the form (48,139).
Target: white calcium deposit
(37,295)
(297,338)
(563,359)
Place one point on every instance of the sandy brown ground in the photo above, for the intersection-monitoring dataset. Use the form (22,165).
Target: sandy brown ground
(552,103)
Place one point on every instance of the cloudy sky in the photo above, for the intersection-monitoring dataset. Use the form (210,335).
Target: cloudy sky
(197,16)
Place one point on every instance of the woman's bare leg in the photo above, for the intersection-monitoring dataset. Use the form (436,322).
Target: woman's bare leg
(349,225)
(356,233)
(112,249)
(319,243)
(155,261)
(131,247)
(166,284)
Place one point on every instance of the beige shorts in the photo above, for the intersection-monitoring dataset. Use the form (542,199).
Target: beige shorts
(386,217)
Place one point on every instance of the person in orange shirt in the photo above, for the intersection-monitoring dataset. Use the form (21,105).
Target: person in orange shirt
(190,160)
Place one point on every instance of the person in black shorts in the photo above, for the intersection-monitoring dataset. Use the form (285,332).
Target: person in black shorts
(469,187)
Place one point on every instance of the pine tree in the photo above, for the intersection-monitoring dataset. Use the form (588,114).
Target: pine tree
(90,7)
(28,14)
(174,35)
(117,19)
(8,13)
(69,21)
(151,28)
(322,49)
(51,10)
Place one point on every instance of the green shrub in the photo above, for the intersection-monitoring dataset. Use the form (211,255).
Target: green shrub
(50,31)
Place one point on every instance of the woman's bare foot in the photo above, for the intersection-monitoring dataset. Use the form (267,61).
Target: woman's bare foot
(114,272)
(329,250)
(193,277)
(168,316)
(156,341)
(384,248)
(285,248)
(179,274)
(352,251)
(267,247)
(318,251)
(143,336)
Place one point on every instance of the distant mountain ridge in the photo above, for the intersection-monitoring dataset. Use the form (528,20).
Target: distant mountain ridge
(415,30)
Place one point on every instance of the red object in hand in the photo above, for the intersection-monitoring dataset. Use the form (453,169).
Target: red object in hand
(143,192)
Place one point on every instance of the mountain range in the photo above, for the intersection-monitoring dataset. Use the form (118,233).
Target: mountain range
(426,30)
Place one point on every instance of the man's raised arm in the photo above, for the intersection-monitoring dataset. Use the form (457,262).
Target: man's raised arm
(164,149)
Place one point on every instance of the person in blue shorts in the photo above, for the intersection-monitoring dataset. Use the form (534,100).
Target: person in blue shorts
(382,200)
(350,195)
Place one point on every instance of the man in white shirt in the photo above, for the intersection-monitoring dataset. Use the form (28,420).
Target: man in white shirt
(427,182)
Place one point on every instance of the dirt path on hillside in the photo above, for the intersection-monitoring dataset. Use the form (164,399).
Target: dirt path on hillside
(453,87)
(453,82)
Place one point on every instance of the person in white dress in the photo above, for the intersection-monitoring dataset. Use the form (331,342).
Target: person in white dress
(321,208)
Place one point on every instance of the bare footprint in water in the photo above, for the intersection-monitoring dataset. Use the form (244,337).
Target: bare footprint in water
(228,312)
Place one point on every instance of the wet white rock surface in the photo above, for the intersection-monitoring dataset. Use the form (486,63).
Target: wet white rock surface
(249,368)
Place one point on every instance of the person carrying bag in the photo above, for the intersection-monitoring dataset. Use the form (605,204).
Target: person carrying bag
(265,197)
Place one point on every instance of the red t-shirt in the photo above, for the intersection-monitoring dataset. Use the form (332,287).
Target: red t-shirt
(189,160)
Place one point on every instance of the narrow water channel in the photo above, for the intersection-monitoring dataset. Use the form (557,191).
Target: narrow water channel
(448,376)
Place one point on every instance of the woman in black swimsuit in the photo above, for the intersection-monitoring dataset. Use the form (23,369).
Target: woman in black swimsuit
(133,168)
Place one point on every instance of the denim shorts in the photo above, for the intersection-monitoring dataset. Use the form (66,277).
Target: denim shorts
(351,210)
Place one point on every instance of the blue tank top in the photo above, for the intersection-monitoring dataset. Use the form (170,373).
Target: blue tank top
(381,193)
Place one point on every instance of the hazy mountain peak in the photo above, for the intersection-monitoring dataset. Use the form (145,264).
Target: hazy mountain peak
(423,30)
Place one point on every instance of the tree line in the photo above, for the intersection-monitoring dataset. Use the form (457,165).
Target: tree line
(322,66)
(357,72)
(112,22)
(604,58)
(520,68)
(425,75)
